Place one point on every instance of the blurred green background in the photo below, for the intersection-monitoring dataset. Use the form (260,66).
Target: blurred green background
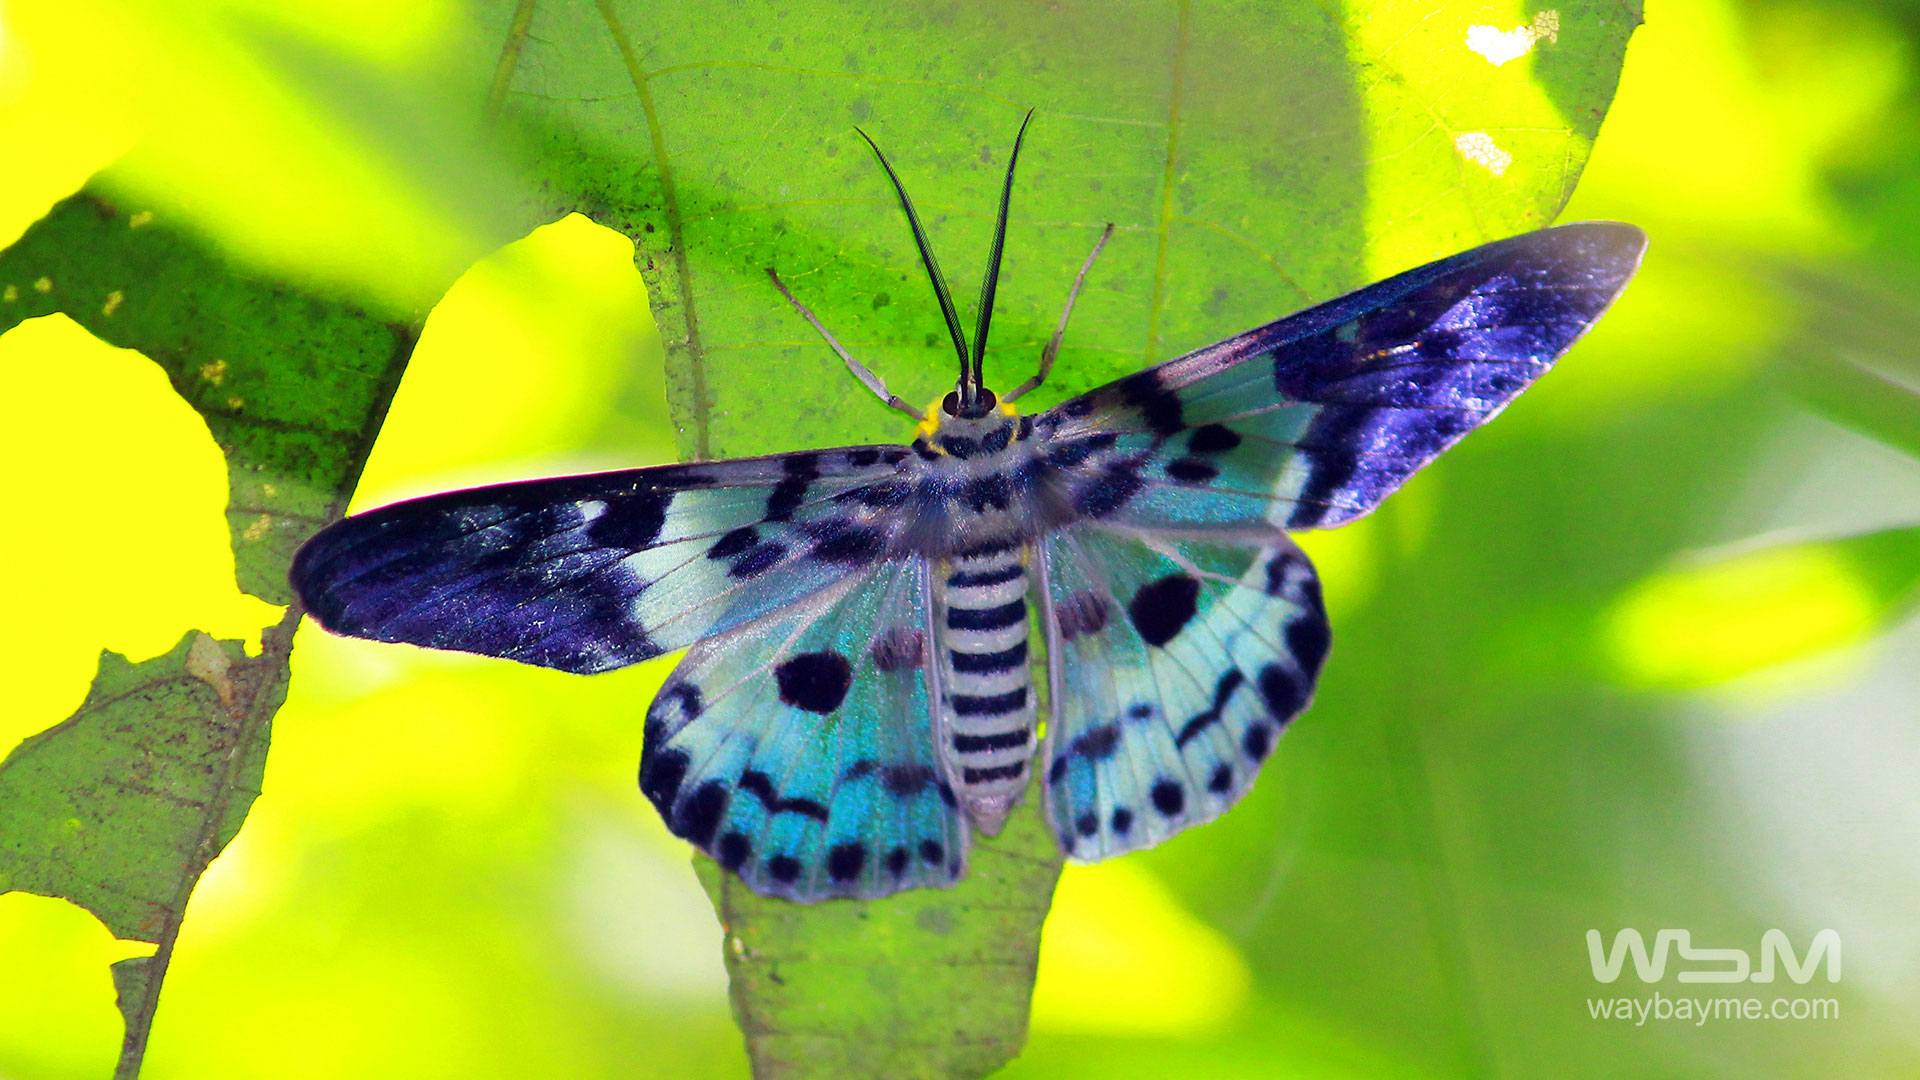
(1613,664)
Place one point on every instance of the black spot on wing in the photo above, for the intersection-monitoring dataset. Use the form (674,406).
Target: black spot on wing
(1258,741)
(1309,638)
(1284,693)
(734,544)
(896,861)
(1168,797)
(1221,780)
(847,543)
(1122,821)
(760,785)
(1158,406)
(1069,453)
(1192,470)
(750,556)
(883,495)
(816,682)
(734,851)
(845,861)
(784,869)
(787,495)
(1096,744)
(1212,439)
(1327,473)
(906,780)
(1223,692)
(1162,608)
(681,695)
(661,773)
(1086,824)
(699,814)
(1112,488)
(630,521)
(931,852)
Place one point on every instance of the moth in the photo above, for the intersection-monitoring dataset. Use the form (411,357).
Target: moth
(862,689)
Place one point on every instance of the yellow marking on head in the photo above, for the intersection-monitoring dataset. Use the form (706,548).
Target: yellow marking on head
(1007,409)
(930,423)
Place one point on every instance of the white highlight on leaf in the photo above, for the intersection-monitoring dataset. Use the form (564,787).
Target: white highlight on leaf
(1479,148)
(1500,46)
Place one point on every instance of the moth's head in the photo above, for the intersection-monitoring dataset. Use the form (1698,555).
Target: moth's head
(960,407)
(949,428)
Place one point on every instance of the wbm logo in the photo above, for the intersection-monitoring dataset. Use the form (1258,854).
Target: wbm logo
(1730,965)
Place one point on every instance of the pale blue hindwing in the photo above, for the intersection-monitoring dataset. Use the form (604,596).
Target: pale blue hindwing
(1181,660)
(589,573)
(798,750)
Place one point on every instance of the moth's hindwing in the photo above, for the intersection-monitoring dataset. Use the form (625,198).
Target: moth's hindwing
(798,750)
(1181,661)
(589,573)
(1311,421)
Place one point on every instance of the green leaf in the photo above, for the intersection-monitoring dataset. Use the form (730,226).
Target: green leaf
(904,987)
(1717,619)
(122,807)
(292,384)
(1254,160)
(1859,398)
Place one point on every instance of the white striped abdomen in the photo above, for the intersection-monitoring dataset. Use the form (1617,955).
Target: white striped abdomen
(987,706)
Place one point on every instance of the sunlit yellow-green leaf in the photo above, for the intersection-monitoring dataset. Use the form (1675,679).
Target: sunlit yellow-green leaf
(1704,624)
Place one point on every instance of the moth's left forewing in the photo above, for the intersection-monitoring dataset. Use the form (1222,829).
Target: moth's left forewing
(1319,416)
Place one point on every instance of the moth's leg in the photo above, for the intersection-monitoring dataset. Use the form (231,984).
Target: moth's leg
(1053,347)
(867,378)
